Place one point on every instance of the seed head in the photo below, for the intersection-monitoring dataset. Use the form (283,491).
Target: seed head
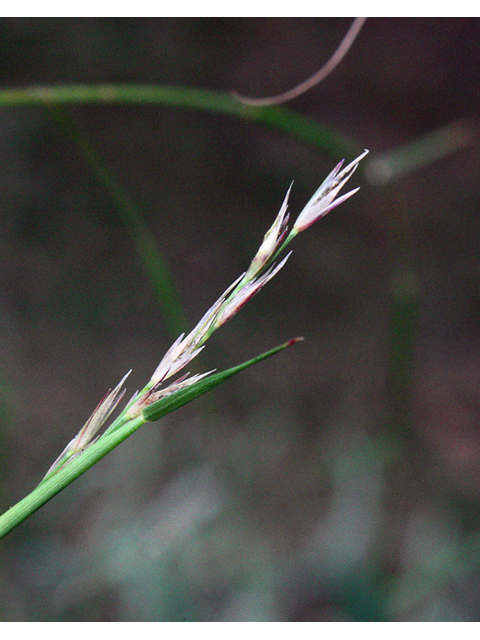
(84,437)
(271,240)
(325,198)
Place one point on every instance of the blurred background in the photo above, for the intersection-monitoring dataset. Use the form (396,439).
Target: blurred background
(338,480)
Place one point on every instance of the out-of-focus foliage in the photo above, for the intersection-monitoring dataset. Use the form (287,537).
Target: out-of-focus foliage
(338,481)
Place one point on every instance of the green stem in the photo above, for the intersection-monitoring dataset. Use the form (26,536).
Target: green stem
(53,484)
(134,222)
(326,138)
(404,296)
(49,488)
(419,152)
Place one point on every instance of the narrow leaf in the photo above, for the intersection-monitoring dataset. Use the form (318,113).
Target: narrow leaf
(176,400)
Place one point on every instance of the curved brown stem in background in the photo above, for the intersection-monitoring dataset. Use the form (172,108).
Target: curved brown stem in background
(317,77)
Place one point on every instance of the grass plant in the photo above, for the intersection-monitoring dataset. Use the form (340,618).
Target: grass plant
(156,399)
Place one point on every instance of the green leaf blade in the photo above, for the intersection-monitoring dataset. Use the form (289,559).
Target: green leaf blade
(176,400)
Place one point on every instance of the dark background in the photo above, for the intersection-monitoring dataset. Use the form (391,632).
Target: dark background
(337,481)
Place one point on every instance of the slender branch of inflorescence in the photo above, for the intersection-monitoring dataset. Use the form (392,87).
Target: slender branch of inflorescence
(261,269)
